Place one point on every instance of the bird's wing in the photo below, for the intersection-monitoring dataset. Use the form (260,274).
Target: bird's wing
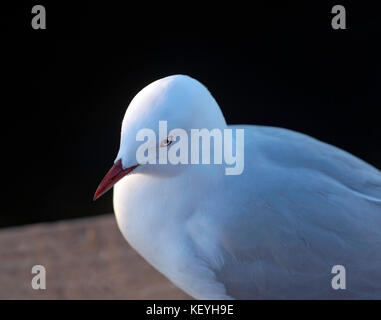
(301,207)
(290,148)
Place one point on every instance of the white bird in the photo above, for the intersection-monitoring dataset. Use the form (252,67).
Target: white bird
(299,208)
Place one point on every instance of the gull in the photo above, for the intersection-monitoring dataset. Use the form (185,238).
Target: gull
(300,209)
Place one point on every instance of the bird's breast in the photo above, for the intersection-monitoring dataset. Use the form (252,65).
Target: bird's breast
(149,214)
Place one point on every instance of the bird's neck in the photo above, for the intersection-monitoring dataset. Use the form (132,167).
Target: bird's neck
(149,208)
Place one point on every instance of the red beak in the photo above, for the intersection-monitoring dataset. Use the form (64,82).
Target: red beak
(113,176)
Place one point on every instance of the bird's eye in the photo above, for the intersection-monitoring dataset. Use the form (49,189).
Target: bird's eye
(166,142)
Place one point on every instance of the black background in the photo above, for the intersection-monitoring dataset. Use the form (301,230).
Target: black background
(65,89)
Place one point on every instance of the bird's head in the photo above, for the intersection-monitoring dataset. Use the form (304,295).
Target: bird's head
(181,101)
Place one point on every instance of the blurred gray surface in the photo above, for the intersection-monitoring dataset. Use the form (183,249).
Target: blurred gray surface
(84,259)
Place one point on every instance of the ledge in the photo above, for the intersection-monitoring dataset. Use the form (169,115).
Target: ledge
(84,259)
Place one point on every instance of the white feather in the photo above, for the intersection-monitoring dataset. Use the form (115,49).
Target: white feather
(300,207)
